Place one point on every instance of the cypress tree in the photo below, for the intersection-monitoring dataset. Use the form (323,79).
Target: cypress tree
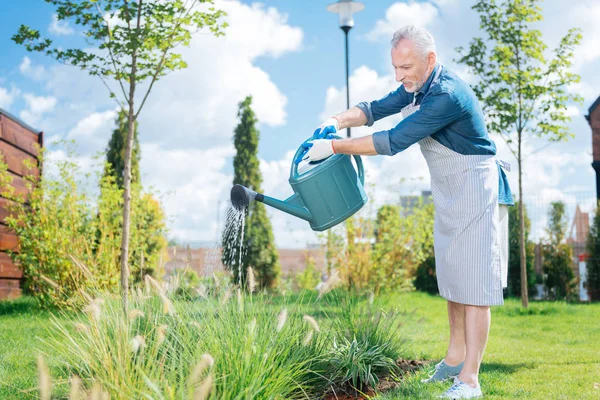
(258,246)
(514,262)
(115,153)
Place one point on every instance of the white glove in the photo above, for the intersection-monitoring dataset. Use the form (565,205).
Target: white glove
(321,148)
(329,126)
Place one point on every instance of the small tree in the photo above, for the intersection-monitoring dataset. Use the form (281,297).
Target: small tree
(140,47)
(523,93)
(514,261)
(258,244)
(593,261)
(558,255)
(309,278)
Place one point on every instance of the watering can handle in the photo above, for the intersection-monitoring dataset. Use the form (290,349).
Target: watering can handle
(357,159)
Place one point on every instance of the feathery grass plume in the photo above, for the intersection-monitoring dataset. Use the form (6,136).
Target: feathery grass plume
(51,282)
(226,296)
(196,324)
(371,298)
(174,252)
(154,283)
(281,319)
(312,321)
(240,300)
(147,285)
(251,280)
(135,313)
(138,343)
(203,391)
(75,393)
(206,362)
(140,294)
(161,332)
(43,379)
(202,291)
(82,267)
(217,283)
(93,310)
(308,338)
(188,257)
(81,327)
(252,326)
(167,305)
(96,393)
(86,296)
(330,284)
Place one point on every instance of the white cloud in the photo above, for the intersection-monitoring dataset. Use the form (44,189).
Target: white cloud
(93,132)
(199,105)
(7,97)
(36,107)
(401,14)
(366,84)
(584,15)
(195,186)
(37,72)
(60,28)
(573,111)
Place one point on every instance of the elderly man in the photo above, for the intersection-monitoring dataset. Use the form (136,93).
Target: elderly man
(470,191)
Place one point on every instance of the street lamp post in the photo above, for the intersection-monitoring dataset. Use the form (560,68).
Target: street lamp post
(345,8)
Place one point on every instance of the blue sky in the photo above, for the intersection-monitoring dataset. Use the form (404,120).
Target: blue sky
(290,56)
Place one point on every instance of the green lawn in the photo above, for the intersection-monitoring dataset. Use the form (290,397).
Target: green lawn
(550,351)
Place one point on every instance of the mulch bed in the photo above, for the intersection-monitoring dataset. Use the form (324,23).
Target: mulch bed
(385,383)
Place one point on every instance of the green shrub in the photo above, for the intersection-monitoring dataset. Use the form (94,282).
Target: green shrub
(593,261)
(382,254)
(69,240)
(309,278)
(157,348)
(426,278)
(558,256)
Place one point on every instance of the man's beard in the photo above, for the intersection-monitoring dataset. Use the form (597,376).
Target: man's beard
(417,85)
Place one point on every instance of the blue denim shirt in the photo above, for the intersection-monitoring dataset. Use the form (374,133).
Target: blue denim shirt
(449,113)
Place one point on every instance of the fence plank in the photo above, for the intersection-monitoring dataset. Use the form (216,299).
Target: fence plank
(19,184)
(8,239)
(14,158)
(13,133)
(8,269)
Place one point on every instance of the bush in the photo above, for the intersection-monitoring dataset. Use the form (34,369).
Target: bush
(309,278)
(593,261)
(426,278)
(558,256)
(235,344)
(69,240)
(383,254)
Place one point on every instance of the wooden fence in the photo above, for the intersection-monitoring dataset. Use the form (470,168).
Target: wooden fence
(18,143)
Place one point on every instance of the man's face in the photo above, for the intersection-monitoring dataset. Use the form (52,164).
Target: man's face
(411,67)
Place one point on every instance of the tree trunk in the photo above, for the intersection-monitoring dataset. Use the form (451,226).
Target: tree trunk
(522,249)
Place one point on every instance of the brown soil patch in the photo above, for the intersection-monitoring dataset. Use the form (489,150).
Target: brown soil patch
(385,383)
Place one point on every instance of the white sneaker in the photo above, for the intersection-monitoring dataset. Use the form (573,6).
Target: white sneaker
(461,390)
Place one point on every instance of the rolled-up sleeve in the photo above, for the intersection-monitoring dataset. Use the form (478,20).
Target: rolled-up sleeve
(391,104)
(437,111)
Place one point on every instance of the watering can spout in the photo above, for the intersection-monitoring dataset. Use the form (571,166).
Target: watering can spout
(241,197)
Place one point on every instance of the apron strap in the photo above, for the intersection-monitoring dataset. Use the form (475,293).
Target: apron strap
(504,164)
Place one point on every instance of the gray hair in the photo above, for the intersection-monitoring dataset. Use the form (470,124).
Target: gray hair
(421,38)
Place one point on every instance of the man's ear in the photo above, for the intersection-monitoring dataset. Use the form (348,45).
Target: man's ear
(431,59)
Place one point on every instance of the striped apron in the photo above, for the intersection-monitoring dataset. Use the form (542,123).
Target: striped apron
(470,227)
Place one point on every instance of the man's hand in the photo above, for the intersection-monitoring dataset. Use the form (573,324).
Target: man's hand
(330,126)
(320,149)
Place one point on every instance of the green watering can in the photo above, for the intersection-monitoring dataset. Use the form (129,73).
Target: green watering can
(325,193)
